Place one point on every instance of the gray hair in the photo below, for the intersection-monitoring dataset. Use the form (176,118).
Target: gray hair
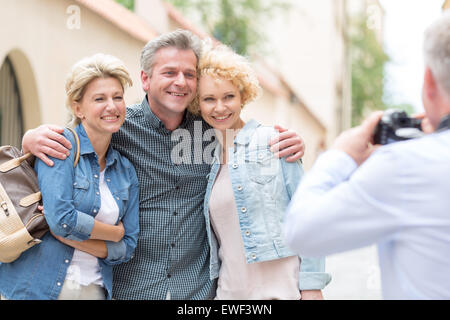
(180,39)
(437,50)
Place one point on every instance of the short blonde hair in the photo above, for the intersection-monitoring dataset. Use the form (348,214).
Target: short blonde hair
(88,69)
(221,61)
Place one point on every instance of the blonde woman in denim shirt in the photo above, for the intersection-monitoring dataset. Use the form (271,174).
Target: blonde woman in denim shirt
(248,192)
(92,209)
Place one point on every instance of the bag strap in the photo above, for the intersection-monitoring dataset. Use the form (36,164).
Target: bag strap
(77,147)
(16,162)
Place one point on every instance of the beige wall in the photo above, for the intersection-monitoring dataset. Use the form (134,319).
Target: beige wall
(42,48)
(308,49)
(446,4)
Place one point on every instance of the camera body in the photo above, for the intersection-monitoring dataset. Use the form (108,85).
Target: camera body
(395,125)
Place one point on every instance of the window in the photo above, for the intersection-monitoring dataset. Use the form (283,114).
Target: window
(11,123)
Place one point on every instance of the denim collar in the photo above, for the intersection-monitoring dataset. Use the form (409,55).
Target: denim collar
(156,123)
(245,134)
(242,138)
(86,146)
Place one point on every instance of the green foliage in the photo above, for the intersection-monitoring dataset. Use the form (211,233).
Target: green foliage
(129,4)
(236,23)
(368,60)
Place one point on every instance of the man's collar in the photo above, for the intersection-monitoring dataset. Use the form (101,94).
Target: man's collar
(445,123)
(152,119)
(156,123)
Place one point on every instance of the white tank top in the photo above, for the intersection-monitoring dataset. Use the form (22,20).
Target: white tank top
(84,267)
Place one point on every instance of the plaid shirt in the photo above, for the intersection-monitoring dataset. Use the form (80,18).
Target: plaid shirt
(172,254)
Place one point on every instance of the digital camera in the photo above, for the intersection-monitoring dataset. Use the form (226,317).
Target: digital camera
(395,125)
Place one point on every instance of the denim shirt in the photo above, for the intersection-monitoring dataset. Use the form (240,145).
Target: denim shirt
(71,200)
(262,186)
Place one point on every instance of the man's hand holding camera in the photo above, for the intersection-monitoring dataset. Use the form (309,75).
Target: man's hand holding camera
(358,142)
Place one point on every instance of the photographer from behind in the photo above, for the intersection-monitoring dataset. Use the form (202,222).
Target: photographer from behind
(396,195)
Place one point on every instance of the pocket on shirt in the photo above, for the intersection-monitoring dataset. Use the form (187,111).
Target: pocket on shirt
(121,198)
(262,165)
(80,189)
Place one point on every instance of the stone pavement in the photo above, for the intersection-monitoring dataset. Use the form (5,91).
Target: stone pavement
(356,275)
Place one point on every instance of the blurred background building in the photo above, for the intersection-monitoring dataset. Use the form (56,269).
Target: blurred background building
(446,4)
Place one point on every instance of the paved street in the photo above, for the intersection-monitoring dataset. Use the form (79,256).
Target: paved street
(355,275)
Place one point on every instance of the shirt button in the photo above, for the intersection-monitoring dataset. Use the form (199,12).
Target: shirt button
(74,183)
(175,213)
(117,198)
(260,156)
(95,210)
(240,188)
(97,193)
(235,166)
(58,284)
(95,176)
(64,225)
(168,275)
(172,245)
(254,256)
(109,180)
(247,233)
(66,261)
(244,209)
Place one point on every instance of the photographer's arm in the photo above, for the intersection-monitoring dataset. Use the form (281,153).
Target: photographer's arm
(337,209)
(356,142)
(46,140)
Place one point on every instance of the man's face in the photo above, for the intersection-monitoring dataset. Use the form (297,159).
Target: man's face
(173,83)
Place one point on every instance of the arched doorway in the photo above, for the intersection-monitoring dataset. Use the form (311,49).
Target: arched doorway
(11,119)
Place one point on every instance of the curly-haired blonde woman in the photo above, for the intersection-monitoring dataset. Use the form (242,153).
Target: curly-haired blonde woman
(248,192)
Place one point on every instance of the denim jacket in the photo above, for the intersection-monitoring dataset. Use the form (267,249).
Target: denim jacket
(71,200)
(263,186)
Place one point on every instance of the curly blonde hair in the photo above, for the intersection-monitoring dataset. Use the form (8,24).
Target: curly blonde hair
(222,62)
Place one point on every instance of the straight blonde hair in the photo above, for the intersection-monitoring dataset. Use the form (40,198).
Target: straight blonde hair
(88,69)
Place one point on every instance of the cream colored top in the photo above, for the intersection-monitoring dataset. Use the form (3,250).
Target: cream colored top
(268,280)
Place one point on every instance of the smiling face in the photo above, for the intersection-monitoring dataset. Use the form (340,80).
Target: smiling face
(220,103)
(173,82)
(102,108)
